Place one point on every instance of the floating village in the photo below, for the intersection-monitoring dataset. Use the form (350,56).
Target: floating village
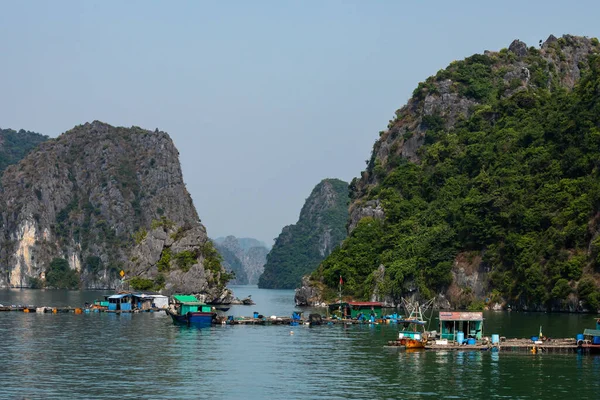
(456,330)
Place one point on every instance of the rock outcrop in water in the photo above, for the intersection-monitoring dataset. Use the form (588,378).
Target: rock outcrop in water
(86,195)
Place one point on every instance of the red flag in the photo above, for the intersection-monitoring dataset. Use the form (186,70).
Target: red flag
(341,281)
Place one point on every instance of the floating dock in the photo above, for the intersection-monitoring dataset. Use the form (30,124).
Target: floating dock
(512,345)
(515,345)
(75,310)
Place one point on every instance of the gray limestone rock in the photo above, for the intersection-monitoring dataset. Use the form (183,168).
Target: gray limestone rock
(86,195)
(518,47)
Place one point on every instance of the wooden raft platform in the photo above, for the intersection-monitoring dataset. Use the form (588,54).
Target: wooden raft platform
(513,345)
(76,310)
(221,320)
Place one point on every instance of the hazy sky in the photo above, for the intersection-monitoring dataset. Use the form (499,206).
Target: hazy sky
(263,99)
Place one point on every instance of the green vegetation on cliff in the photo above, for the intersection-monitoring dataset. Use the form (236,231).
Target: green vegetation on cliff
(516,181)
(60,276)
(300,248)
(15,145)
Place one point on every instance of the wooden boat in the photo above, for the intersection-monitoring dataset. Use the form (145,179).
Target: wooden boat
(186,309)
(591,342)
(413,334)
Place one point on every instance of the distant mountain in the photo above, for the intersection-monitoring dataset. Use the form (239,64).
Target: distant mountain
(15,145)
(246,257)
(244,243)
(301,247)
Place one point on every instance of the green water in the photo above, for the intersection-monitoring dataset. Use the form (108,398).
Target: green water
(146,356)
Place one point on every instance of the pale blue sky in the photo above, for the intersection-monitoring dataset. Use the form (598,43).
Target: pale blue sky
(262,98)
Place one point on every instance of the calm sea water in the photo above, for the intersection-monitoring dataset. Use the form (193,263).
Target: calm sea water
(146,356)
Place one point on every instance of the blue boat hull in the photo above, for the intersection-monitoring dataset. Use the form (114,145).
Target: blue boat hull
(204,318)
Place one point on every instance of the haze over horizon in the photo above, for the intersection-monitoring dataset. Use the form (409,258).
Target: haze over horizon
(262,99)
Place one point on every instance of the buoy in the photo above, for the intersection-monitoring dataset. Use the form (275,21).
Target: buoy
(26,310)
(291,332)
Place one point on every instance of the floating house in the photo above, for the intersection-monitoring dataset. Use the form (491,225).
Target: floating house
(142,301)
(119,302)
(353,309)
(160,301)
(456,324)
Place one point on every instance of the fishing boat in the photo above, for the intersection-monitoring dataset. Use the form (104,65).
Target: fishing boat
(413,334)
(186,309)
(590,339)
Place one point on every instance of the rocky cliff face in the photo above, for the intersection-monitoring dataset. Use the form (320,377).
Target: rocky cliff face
(300,247)
(83,197)
(246,257)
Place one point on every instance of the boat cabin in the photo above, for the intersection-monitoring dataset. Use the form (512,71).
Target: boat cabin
(354,309)
(469,324)
(119,302)
(188,303)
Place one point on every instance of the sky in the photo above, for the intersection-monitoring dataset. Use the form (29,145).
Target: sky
(263,99)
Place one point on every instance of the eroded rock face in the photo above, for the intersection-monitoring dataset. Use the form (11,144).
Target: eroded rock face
(308,295)
(371,208)
(254,260)
(84,195)
(518,48)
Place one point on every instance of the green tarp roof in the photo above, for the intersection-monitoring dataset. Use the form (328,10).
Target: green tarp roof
(591,332)
(187,299)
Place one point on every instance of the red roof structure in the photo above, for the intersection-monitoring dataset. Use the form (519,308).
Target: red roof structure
(365,303)
(460,316)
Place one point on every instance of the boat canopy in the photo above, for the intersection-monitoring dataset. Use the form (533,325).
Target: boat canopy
(187,300)
(591,332)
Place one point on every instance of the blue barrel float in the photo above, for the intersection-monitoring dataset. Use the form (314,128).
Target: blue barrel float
(495,338)
(460,337)
(471,341)
(596,340)
(255,314)
(579,337)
